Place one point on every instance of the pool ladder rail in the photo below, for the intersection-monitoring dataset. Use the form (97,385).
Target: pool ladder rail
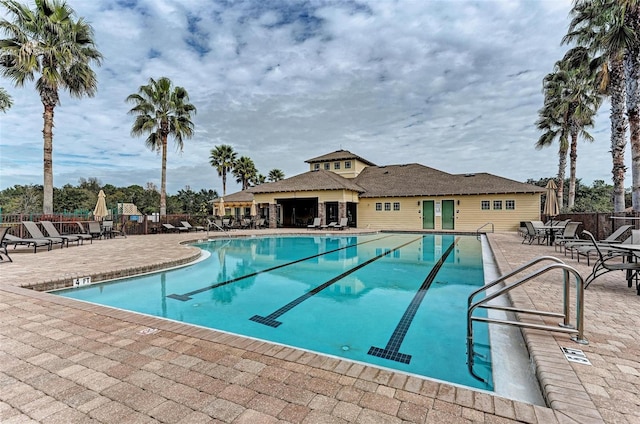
(564,327)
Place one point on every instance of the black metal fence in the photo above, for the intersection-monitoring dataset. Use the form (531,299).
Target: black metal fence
(130,225)
(602,224)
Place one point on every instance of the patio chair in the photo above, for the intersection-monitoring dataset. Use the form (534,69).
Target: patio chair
(109,230)
(532,233)
(53,232)
(3,245)
(332,224)
(10,239)
(343,224)
(261,223)
(315,225)
(190,227)
(95,229)
(215,224)
(35,233)
(616,258)
(171,227)
(575,246)
(83,234)
(569,233)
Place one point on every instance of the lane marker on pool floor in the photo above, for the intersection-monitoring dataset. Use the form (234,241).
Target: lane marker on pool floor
(270,319)
(392,350)
(187,296)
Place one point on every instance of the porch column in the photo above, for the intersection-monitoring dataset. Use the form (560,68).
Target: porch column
(273,218)
(342,210)
(322,213)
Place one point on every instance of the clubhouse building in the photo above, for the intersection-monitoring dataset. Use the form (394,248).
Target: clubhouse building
(392,197)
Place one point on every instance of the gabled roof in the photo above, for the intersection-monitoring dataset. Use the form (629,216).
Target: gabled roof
(419,180)
(312,180)
(339,155)
(239,197)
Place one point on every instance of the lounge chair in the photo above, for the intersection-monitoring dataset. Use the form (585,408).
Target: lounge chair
(35,233)
(569,234)
(53,232)
(315,225)
(343,224)
(95,229)
(190,227)
(332,224)
(3,245)
(83,234)
(171,227)
(615,258)
(10,239)
(215,224)
(585,246)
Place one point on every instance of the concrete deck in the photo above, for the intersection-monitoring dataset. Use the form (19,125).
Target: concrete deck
(64,361)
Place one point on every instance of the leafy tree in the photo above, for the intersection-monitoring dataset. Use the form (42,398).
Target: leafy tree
(21,199)
(223,159)
(5,100)
(70,198)
(48,41)
(160,111)
(275,175)
(245,171)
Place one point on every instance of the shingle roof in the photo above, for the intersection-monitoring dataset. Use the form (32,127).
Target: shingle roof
(339,155)
(239,196)
(312,180)
(418,180)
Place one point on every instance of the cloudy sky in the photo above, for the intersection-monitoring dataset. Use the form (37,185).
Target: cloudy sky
(454,85)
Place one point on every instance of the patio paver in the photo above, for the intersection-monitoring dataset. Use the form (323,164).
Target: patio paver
(66,361)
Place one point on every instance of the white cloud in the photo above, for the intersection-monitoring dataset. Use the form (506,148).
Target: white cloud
(455,85)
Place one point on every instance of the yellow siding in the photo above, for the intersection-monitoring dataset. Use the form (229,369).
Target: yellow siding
(354,171)
(469,215)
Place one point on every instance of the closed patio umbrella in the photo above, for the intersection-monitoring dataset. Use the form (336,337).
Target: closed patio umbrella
(551,208)
(100,211)
(221,207)
(254,210)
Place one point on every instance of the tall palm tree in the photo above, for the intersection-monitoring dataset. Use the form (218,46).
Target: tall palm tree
(223,159)
(161,110)
(276,175)
(632,76)
(600,26)
(5,100)
(49,42)
(245,171)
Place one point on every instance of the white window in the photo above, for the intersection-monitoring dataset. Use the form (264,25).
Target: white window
(336,165)
(387,206)
(497,205)
(396,206)
(347,165)
(485,205)
(378,206)
(316,166)
(327,166)
(510,204)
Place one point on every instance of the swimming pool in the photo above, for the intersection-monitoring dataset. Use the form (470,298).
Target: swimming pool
(394,300)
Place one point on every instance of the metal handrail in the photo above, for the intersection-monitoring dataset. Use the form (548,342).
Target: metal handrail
(564,327)
(484,225)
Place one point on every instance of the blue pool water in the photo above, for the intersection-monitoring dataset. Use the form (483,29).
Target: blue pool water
(392,300)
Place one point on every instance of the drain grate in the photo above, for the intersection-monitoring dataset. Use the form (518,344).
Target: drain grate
(575,355)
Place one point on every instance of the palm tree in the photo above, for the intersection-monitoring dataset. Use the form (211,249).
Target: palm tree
(5,100)
(276,175)
(48,41)
(632,75)
(600,26)
(160,110)
(259,179)
(245,171)
(223,159)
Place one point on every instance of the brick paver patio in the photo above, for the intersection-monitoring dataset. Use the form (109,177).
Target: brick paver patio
(63,361)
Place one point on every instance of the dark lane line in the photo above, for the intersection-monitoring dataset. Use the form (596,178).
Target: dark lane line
(270,319)
(187,296)
(392,350)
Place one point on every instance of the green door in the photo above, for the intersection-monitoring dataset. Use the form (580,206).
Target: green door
(448,215)
(427,215)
